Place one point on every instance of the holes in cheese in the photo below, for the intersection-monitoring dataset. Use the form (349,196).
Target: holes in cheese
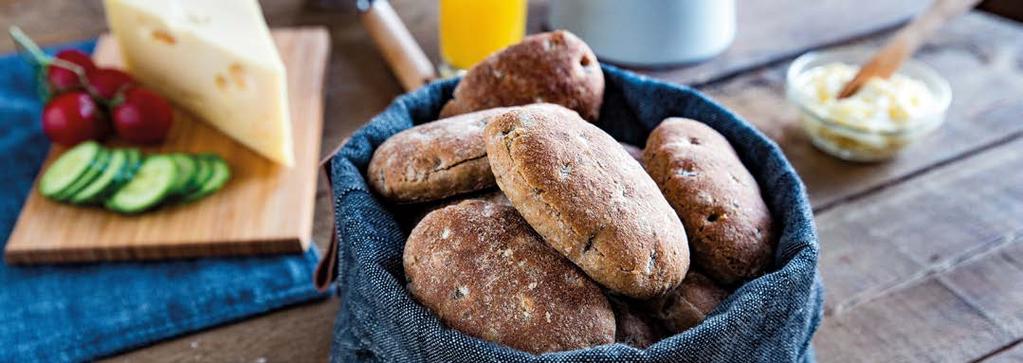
(235,77)
(163,36)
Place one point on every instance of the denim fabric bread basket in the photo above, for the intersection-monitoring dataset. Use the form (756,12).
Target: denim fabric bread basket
(771,318)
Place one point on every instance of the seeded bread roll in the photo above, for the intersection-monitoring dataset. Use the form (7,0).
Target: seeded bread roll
(689,304)
(410,216)
(433,161)
(483,271)
(728,223)
(555,67)
(634,327)
(588,198)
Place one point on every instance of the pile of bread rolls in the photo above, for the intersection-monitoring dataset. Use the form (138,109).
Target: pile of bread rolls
(584,241)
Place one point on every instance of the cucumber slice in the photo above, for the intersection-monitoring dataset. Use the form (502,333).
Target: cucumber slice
(203,172)
(134,158)
(115,166)
(186,173)
(150,185)
(220,174)
(68,168)
(132,161)
(95,169)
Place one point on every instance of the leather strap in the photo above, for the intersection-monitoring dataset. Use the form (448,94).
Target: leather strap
(326,268)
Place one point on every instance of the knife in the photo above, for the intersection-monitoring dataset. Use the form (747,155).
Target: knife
(399,48)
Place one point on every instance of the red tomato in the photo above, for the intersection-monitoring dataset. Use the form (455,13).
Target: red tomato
(73,117)
(62,79)
(143,117)
(107,81)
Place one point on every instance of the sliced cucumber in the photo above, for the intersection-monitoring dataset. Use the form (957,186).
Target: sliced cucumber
(219,175)
(68,168)
(126,181)
(203,172)
(95,169)
(186,173)
(150,185)
(132,161)
(135,159)
(115,166)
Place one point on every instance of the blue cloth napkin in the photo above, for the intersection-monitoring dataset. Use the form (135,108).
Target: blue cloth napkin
(80,312)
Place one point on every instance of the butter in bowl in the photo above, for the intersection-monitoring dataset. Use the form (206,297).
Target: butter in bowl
(877,122)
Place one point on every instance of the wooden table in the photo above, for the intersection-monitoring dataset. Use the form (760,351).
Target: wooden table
(922,256)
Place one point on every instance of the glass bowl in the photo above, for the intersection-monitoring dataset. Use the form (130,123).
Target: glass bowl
(848,141)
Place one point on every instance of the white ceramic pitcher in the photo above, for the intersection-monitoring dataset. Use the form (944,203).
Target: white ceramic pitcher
(648,32)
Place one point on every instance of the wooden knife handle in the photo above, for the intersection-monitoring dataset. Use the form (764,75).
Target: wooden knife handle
(399,48)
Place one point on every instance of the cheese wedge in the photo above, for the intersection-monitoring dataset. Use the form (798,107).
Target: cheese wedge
(215,58)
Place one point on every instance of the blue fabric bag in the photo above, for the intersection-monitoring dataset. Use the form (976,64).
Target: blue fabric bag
(81,312)
(770,319)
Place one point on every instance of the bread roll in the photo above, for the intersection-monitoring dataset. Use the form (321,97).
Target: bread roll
(689,304)
(729,226)
(588,198)
(555,67)
(433,161)
(634,327)
(483,271)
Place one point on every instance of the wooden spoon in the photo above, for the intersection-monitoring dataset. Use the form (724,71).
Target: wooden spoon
(904,43)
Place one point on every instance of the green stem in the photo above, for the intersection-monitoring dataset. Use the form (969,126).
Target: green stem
(26,43)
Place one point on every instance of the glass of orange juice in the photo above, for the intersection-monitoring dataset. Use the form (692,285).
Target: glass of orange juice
(470,30)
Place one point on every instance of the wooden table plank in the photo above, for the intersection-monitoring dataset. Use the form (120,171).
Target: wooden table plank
(957,315)
(927,269)
(928,224)
(994,283)
(923,323)
(298,334)
(987,102)
(772,30)
(1012,354)
(49,22)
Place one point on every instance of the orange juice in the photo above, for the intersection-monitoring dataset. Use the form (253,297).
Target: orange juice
(472,29)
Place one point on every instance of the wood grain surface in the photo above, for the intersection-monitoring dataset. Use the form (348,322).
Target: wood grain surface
(264,208)
(986,104)
(775,30)
(928,269)
(962,306)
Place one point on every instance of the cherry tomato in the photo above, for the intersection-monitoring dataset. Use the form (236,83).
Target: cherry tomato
(63,79)
(144,116)
(107,81)
(73,117)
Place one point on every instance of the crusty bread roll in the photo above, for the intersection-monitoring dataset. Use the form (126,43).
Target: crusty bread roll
(689,304)
(483,271)
(634,327)
(410,216)
(434,160)
(555,67)
(588,198)
(728,224)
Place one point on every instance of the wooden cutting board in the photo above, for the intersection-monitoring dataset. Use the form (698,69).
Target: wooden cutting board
(264,208)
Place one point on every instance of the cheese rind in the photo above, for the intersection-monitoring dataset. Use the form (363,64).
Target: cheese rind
(214,58)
